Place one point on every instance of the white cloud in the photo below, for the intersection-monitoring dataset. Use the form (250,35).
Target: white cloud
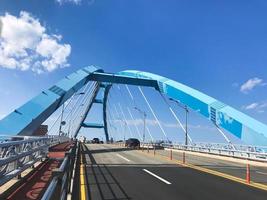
(26,45)
(251,106)
(256,106)
(69,1)
(250,84)
(1,24)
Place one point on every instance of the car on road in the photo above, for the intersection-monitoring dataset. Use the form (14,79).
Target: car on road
(132,143)
(95,141)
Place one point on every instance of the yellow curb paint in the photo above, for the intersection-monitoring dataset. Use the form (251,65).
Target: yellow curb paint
(209,171)
(82,181)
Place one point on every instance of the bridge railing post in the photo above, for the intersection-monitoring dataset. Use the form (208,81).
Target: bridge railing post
(171,154)
(58,174)
(248,173)
(183,157)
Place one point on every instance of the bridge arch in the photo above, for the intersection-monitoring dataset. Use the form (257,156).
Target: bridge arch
(26,119)
(247,129)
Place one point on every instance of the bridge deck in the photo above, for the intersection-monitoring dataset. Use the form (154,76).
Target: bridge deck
(114,172)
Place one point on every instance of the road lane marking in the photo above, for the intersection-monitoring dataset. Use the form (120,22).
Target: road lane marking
(213,172)
(261,172)
(123,157)
(158,177)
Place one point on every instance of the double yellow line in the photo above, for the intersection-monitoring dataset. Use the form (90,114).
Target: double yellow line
(213,172)
(82,178)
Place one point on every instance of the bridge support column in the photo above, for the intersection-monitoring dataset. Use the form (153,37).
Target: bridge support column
(106,92)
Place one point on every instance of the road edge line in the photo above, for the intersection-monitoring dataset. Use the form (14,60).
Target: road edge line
(82,179)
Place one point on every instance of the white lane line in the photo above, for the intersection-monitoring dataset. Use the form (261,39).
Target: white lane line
(158,177)
(261,172)
(123,157)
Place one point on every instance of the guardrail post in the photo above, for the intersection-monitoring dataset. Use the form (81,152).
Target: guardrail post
(183,157)
(148,149)
(57,173)
(171,154)
(154,152)
(248,173)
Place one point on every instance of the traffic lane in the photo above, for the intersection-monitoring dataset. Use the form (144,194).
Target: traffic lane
(126,182)
(102,154)
(111,154)
(130,181)
(258,174)
(193,184)
(185,184)
(102,184)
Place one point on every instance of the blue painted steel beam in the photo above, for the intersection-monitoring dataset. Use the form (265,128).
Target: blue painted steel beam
(122,79)
(92,125)
(106,92)
(88,108)
(235,122)
(27,118)
(98,101)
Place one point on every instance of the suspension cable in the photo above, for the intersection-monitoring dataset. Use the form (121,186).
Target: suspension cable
(175,116)
(78,108)
(225,137)
(133,100)
(152,111)
(125,120)
(134,123)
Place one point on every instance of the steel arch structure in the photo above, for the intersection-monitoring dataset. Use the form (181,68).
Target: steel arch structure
(26,119)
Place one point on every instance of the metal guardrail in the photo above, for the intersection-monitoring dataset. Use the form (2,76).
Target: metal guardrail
(237,151)
(62,181)
(17,156)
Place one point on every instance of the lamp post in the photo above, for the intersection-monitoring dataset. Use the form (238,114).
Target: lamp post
(144,119)
(186,117)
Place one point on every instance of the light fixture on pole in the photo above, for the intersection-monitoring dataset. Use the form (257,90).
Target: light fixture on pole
(144,119)
(186,117)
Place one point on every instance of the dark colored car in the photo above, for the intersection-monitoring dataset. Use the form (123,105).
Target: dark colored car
(95,141)
(132,143)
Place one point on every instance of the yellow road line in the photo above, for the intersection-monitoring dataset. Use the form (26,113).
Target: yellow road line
(82,180)
(213,172)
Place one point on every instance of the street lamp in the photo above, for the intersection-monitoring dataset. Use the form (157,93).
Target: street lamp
(186,117)
(144,114)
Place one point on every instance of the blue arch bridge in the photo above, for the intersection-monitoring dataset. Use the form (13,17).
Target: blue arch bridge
(43,156)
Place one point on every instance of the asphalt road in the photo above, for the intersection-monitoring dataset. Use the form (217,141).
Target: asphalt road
(258,174)
(118,173)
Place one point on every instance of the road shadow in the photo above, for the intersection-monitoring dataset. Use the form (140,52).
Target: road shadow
(102,184)
(108,150)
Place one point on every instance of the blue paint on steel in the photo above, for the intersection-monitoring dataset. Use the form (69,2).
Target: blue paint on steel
(105,98)
(92,125)
(98,101)
(88,108)
(26,119)
(239,124)
(122,79)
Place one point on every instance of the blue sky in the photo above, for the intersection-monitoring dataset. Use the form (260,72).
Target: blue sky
(213,46)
